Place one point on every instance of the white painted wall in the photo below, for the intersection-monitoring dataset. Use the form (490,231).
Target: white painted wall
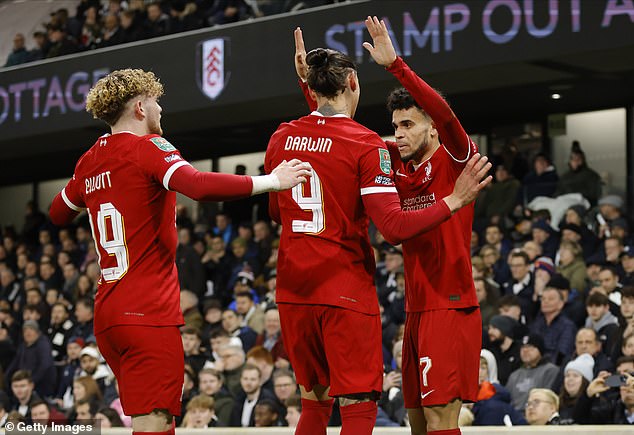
(601,135)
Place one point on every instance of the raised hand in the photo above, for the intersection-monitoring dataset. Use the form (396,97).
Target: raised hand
(291,173)
(300,55)
(470,182)
(383,51)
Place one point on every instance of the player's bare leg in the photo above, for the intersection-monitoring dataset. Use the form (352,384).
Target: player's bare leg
(358,413)
(443,418)
(417,421)
(158,421)
(316,410)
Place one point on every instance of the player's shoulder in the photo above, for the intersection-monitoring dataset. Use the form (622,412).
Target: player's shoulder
(152,141)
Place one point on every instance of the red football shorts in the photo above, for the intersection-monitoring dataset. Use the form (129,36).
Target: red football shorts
(441,357)
(148,362)
(333,346)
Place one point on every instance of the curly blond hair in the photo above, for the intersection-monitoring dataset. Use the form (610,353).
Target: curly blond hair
(107,99)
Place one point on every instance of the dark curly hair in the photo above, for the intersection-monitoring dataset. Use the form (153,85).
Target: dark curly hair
(401,99)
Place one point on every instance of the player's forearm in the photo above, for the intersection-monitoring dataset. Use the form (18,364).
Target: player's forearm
(312,103)
(397,225)
(60,213)
(210,186)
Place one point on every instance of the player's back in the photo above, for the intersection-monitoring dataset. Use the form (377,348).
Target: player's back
(132,217)
(325,256)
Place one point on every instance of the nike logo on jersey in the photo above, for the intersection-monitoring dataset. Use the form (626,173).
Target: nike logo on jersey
(423,395)
(400,174)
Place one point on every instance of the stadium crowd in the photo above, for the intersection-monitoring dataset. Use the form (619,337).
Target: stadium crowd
(554,280)
(101,23)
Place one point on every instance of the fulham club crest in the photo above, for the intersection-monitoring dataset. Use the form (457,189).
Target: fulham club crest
(212,74)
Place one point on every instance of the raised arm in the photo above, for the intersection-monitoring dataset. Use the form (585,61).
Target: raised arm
(451,131)
(302,68)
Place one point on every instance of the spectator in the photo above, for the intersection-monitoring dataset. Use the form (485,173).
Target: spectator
(500,199)
(130,27)
(183,16)
(487,298)
(271,338)
(34,355)
(189,307)
(493,407)
(293,410)
(266,414)
(68,372)
(156,23)
(580,234)
(231,324)
(84,315)
(613,247)
(386,276)
(533,250)
(541,181)
(536,371)
(211,383)
(252,315)
(579,178)
(542,407)
(577,377)
(212,312)
(216,263)
(505,349)
(85,388)
(510,306)
(191,274)
(232,358)
(571,264)
(610,286)
(7,348)
(18,54)
(250,394)
(603,322)
(392,401)
(262,359)
(596,407)
(43,413)
(111,34)
(108,418)
(574,309)
(61,43)
(200,413)
(554,327)
(225,11)
(90,37)
(194,357)
(84,412)
(284,387)
(495,236)
(522,283)
(24,393)
(546,237)
(90,362)
(610,210)
(5,408)
(59,331)
(543,269)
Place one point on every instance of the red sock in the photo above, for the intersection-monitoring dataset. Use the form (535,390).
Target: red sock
(358,419)
(455,431)
(314,417)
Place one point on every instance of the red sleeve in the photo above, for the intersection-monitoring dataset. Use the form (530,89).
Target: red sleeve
(210,186)
(68,203)
(451,132)
(312,104)
(397,225)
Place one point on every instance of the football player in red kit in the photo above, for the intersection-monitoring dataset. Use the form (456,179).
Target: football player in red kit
(325,289)
(127,182)
(441,346)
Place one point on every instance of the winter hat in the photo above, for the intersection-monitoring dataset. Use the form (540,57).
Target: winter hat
(545,263)
(613,200)
(584,364)
(559,282)
(505,324)
(535,340)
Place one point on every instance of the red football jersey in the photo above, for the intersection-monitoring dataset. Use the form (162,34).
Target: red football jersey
(325,256)
(123,181)
(437,263)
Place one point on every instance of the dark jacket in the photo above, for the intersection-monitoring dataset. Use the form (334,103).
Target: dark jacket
(17,57)
(223,406)
(491,412)
(601,410)
(38,360)
(539,185)
(584,181)
(559,336)
(236,416)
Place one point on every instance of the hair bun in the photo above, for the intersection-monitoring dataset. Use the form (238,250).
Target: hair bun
(317,58)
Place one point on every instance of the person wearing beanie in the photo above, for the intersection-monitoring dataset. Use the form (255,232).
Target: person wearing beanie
(577,376)
(501,332)
(579,233)
(543,269)
(34,354)
(574,308)
(544,234)
(535,372)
